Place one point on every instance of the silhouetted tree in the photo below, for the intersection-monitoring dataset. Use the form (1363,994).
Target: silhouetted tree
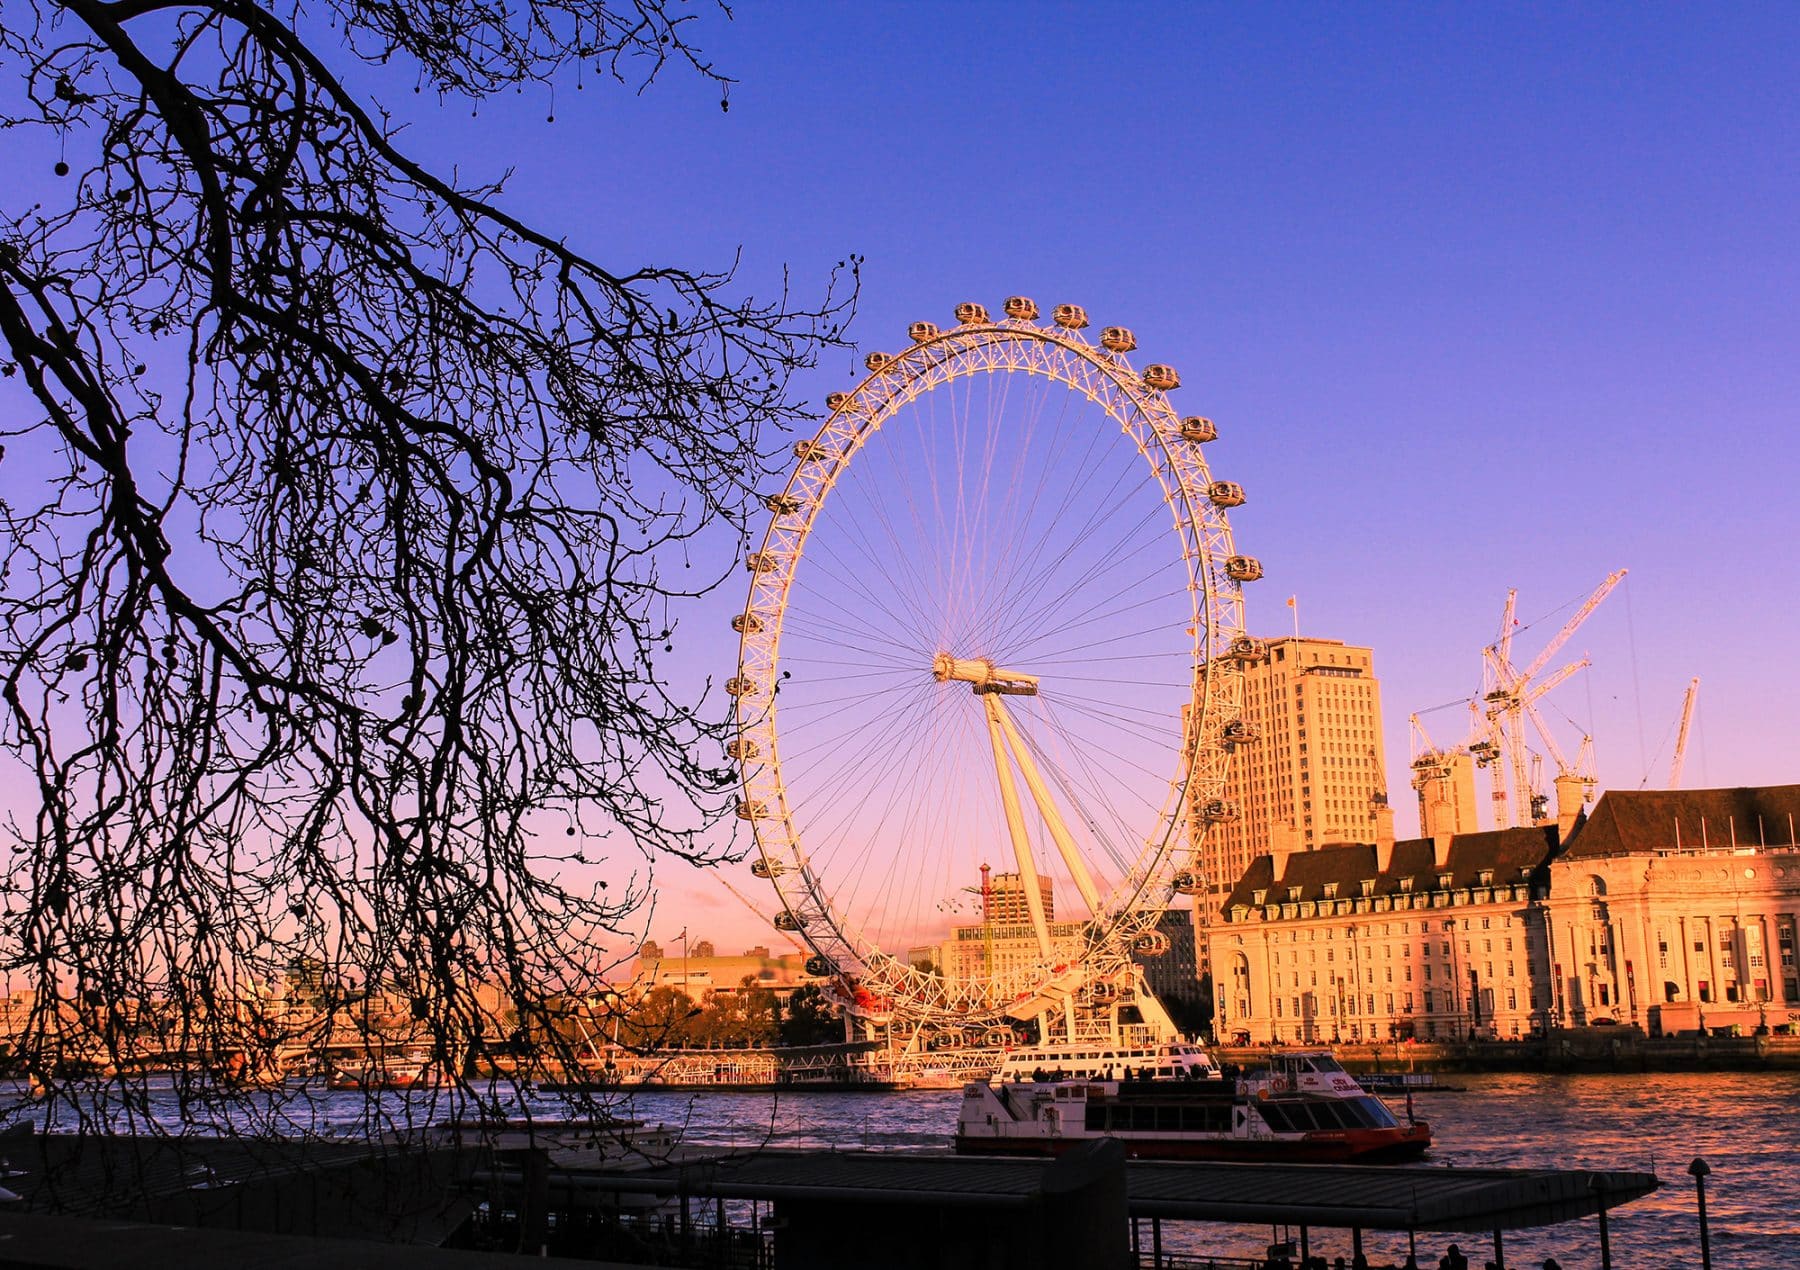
(809,1018)
(344,515)
(664,1018)
(741,1018)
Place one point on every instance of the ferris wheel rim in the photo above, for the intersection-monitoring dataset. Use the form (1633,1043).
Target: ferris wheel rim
(1107,380)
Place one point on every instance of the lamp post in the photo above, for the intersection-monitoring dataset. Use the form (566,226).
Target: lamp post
(1699,1170)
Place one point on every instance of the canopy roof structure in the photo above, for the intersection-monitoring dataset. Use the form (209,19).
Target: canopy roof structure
(1340,1196)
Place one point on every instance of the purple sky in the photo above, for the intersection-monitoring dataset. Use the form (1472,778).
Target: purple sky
(1479,299)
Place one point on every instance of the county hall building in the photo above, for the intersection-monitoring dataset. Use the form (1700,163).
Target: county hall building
(1672,910)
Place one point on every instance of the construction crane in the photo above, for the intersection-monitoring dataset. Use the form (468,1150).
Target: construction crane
(1434,780)
(1429,761)
(1681,735)
(1507,705)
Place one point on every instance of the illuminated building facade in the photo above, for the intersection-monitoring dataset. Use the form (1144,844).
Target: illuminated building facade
(1315,774)
(1432,939)
(1674,910)
(1677,909)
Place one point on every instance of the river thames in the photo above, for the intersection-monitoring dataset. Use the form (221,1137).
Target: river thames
(1747,1127)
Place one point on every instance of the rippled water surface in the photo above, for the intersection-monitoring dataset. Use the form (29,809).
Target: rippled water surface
(1746,1126)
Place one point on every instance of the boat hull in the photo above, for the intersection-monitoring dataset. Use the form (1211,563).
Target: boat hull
(1374,1146)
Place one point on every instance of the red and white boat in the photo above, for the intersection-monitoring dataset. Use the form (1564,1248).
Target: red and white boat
(1302,1108)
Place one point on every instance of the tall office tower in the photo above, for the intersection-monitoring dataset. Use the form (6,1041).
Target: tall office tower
(1005,896)
(1316,773)
(1445,780)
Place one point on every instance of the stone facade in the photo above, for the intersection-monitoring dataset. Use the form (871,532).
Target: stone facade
(1677,909)
(1671,910)
(1427,939)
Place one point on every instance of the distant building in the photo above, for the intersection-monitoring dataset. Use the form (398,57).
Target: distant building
(1174,976)
(996,949)
(1445,781)
(1004,898)
(699,977)
(1005,942)
(1677,909)
(926,957)
(1427,939)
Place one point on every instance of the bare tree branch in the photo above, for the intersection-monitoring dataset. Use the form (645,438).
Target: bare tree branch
(342,538)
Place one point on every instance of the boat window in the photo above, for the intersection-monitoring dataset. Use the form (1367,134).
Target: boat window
(1210,1118)
(1305,1116)
(1325,1063)
(1374,1113)
(1276,1114)
(1336,1115)
(1096,1118)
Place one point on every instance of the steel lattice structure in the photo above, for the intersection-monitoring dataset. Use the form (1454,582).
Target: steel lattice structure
(1165,859)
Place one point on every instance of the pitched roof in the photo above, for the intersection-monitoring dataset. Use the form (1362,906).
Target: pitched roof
(1511,855)
(1628,820)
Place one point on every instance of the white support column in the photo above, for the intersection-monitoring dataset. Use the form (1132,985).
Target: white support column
(1059,831)
(1015,824)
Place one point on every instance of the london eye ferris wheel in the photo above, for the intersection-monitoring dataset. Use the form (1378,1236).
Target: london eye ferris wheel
(995,620)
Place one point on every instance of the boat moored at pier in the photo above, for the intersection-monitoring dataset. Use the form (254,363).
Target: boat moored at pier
(1107,1060)
(1303,1108)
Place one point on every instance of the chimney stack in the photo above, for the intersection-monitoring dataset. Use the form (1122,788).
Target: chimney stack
(1440,848)
(1384,841)
(1284,841)
(1571,796)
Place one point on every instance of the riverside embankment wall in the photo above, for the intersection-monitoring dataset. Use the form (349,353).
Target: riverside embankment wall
(1588,1049)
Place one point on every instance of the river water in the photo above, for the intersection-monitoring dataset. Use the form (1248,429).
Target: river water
(1747,1127)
